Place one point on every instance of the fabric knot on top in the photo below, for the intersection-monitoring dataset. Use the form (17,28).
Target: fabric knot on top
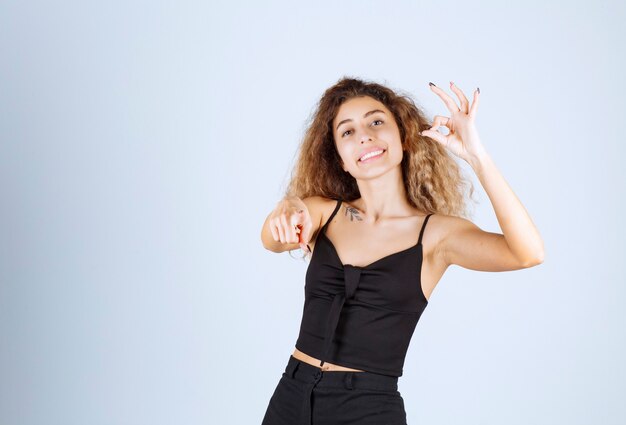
(352,276)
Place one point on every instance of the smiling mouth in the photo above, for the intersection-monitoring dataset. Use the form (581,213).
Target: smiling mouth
(374,157)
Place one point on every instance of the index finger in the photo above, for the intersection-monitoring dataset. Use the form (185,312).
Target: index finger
(450,103)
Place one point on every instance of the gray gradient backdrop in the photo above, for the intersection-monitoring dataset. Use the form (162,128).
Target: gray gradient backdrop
(142,145)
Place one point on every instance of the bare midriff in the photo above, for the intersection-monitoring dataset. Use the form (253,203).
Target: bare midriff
(316,362)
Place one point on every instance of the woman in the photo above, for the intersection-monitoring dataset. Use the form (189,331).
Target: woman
(372,172)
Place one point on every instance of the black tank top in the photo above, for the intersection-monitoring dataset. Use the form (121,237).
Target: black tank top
(361,317)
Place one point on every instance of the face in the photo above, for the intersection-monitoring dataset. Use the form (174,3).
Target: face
(364,125)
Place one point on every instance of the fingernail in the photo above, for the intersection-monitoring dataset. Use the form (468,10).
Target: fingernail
(478,89)
(432,84)
(451,83)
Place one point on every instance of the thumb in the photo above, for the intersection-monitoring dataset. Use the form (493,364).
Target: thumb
(434,134)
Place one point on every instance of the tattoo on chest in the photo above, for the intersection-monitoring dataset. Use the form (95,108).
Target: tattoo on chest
(354,213)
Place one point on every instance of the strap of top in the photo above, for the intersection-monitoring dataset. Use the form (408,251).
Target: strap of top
(333,214)
(419,241)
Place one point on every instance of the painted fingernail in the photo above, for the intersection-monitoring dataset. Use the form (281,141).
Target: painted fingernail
(432,84)
(451,83)
(478,90)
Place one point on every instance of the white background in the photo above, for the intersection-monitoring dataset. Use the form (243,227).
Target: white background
(142,145)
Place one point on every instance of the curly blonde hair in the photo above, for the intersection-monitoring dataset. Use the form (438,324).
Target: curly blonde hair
(432,177)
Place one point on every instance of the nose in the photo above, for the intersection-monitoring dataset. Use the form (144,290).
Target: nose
(365,136)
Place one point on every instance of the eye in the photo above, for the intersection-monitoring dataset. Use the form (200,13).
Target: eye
(381,121)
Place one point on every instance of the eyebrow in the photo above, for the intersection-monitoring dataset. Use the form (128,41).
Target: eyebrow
(367,114)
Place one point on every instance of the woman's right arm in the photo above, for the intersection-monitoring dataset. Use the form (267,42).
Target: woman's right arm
(279,230)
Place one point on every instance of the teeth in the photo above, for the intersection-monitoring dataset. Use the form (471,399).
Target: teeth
(371,154)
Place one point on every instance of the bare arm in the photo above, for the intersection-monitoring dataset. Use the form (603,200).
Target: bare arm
(464,243)
(520,245)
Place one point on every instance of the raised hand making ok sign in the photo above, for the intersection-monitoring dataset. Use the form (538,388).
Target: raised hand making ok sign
(463,140)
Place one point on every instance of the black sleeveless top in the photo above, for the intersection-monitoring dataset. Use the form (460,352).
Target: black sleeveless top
(361,317)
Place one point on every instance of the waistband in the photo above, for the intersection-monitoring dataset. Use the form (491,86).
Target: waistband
(312,376)
(307,373)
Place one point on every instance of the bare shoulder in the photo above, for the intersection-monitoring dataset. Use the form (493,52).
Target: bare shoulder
(441,226)
(435,232)
(320,209)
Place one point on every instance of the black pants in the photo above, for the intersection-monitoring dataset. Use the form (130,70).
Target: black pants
(307,395)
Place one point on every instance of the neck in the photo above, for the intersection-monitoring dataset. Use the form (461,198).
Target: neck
(383,197)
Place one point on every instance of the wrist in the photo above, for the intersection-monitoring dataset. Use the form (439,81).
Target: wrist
(478,159)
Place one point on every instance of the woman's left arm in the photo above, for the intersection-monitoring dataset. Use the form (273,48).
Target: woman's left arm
(464,243)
